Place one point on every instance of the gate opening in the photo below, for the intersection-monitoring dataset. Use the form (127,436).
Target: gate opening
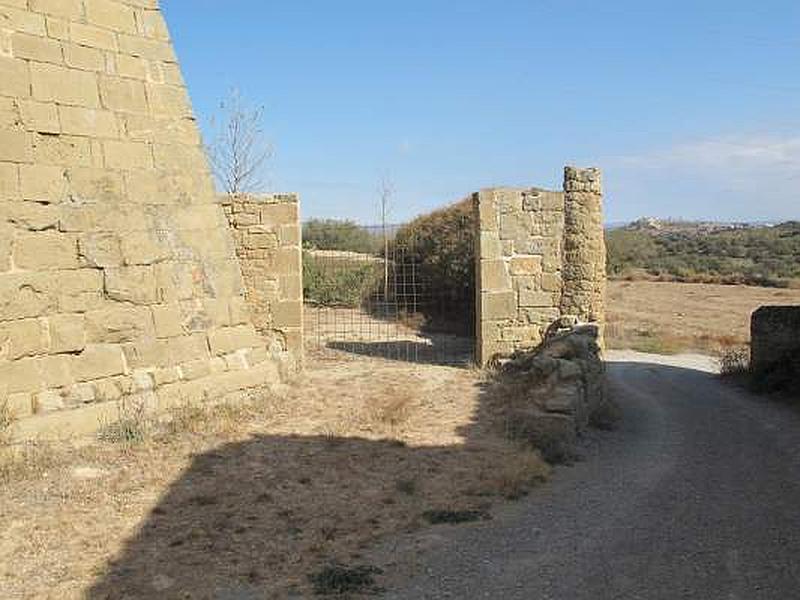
(401,298)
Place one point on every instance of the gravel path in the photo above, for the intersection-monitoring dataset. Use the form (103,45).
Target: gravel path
(696,496)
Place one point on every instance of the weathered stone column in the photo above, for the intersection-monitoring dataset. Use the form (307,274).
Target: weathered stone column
(584,266)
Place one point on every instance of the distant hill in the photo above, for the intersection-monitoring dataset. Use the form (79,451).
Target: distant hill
(735,253)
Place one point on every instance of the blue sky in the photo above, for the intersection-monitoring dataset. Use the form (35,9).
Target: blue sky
(692,108)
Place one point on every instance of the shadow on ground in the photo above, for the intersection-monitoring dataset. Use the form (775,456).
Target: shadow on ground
(440,350)
(254,519)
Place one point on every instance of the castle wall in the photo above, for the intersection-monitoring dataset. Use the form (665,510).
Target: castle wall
(118,274)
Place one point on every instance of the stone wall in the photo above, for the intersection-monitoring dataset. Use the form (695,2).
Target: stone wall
(118,275)
(266,231)
(775,339)
(540,256)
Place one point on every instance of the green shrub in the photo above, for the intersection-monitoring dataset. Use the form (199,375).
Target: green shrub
(442,245)
(340,282)
(332,234)
(765,256)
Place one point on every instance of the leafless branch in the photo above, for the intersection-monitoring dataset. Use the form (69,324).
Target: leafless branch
(239,150)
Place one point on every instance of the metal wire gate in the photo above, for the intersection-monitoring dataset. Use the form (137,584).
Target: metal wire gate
(385,303)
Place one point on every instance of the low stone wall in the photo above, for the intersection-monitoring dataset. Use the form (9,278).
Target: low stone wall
(559,386)
(775,338)
(266,232)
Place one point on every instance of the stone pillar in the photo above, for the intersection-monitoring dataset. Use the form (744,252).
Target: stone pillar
(584,266)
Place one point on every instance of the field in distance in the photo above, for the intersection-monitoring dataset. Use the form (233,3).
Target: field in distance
(671,317)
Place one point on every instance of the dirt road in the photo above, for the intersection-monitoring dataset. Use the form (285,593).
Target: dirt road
(696,496)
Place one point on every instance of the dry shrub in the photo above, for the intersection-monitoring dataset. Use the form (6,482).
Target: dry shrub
(734,362)
(6,421)
(391,410)
(518,475)
(134,424)
(607,416)
(26,461)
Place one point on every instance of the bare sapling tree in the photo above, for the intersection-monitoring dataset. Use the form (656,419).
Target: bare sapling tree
(385,190)
(239,149)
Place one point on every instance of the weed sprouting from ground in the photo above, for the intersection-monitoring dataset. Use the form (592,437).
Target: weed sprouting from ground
(406,486)
(454,517)
(339,579)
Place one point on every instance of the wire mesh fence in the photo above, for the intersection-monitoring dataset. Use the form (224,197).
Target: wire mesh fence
(384,303)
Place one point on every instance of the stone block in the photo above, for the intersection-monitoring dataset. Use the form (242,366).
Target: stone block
(22,338)
(80,393)
(53,83)
(34,47)
(15,146)
(80,291)
(534,298)
(16,17)
(95,186)
(123,95)
(100,249)
(118,324)
(46,250)
(494,275)
(67,333)
(98,361)
(6,240)
(146,48)
(526,265)
(147,353)
(88,122)
(145,248)
(132,67)
(288,314)
(551,282)
(47,401)
(43,183)
(56,28)
(136,285)
(40,117)
(498,305)
(20,406)
(110,15)
(67,9)
(81,57)
(168,319)
(61,150)
(127,155)
(107,390)
(9,181)
(26,295)
(229,339)
(169,101)
(54,371)
(195,369)
(188,348)
(94,37)
(15,80)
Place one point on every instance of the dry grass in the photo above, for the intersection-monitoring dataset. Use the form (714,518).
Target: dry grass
(260,495)
(668,317)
